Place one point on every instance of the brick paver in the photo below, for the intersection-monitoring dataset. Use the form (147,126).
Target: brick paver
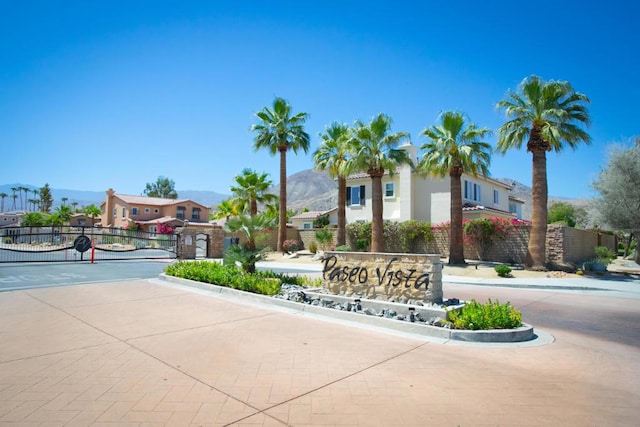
(140,353)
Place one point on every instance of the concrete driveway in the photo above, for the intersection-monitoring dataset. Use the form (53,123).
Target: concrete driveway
(144,352)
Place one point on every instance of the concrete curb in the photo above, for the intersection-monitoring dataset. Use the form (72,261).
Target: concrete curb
(521,335)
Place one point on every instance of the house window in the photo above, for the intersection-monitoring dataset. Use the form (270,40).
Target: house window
(195,214)
(180,213)
(496,197)
(307,226)
(389,189)
(156,210)
(153,229)
(115,212)
(147,210)
(124,212)
(472,191)
(355,196)
(134,211)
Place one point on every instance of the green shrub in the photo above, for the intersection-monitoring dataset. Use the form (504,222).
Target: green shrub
(260,282)
(324,237)
(343,248)
(321,221)
(492,315)
(604,255)
(292,245)
(414,232)
(503,270)
(313,247)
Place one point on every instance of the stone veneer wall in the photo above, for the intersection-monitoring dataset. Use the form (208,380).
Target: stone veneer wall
(384,275)
(572,245)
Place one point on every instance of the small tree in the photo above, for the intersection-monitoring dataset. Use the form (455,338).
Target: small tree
(561,212)
(163,188)
(252,227)
(324,238)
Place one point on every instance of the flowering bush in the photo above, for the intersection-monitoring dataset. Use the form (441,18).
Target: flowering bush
(484,232)
(291,245)
(132,226)
(164,229)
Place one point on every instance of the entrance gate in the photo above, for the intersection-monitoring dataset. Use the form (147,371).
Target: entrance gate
(202,245)
(42,244)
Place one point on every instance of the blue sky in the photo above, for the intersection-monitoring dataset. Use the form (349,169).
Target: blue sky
(114,94)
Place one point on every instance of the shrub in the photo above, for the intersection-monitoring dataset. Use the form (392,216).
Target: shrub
(492,315)
(313,247)
(484,232)
(321,221)
(359,231)
(230,276)
(362,245)
(414,232)
(343,248)
(604,255)
(324,237)
(291,245)
(502,270)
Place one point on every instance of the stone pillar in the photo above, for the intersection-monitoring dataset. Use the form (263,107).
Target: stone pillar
(186,243)
(216,242)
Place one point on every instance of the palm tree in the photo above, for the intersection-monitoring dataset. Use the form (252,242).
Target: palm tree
(279,131)
(3,196)
(333,156)
(14,196)
(251,227)
(64,213)
(92,211)
(226,209)
(454,148)
(64,200)
(251,189)
(374,152)
(549,115)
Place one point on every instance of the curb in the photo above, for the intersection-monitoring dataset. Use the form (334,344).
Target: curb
(520,335)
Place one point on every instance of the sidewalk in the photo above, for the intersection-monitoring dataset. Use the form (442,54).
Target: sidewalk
(140,353)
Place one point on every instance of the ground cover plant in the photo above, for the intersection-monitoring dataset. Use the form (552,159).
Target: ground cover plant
(259,282)
(491,315)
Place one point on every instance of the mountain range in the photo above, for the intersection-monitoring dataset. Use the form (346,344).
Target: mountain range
(308,189)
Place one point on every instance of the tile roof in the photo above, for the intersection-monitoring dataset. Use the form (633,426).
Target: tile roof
(153,201)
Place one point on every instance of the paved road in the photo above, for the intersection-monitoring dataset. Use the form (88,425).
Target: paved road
(39,275)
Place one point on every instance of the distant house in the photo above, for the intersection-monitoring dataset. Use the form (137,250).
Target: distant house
(119,210)
(304,221)
(407,195)
(11,218)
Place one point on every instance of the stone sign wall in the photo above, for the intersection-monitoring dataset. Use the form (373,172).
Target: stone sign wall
(384,275)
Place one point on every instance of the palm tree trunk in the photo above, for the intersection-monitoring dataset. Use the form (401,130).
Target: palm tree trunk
(536,250)
(282,217)
(342,212)
(456,241)
(377,226)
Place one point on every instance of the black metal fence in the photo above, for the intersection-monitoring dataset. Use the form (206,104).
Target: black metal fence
(41,244)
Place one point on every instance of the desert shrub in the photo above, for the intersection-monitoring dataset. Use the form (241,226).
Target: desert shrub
(604,255)
(492,315)
(392,236)
(313,247)
(343,248)
(503,270)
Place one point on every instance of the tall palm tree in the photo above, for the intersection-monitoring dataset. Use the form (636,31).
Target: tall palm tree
(454,148)
(14,196)
(333,156)
(251,189)
(278,132)
(549,115)
(374,152)
(3,196)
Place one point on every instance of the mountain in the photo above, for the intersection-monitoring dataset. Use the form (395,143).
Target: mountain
(310,189)
(85,198)
(523,192)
